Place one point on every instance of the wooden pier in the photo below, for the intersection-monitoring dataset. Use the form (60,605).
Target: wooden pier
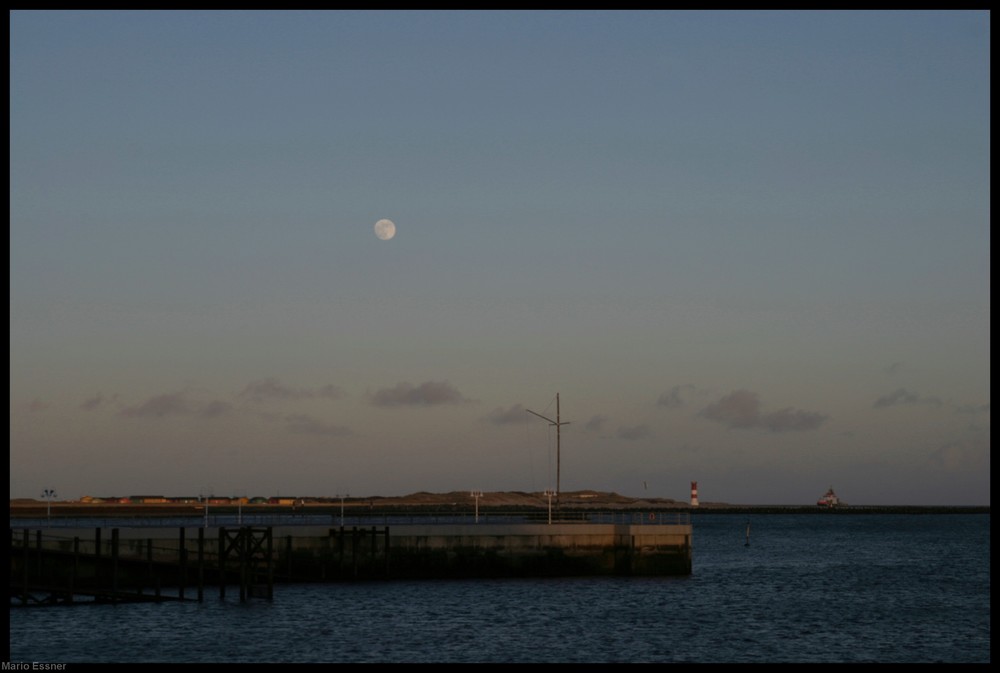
(51,569)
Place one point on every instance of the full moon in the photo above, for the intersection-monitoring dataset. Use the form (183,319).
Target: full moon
(385,229)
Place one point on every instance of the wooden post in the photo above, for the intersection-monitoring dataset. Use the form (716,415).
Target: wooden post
(328,556)
(270,565)
(354,551)
(182,546)
(242,546)
(25,549)
(98,569)
(222,562)
(201,564)
(149,562)
(340,553)
(154,578)
(114,565)
(75,568)
(385,551)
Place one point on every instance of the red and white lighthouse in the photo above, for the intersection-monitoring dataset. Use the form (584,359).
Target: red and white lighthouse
(694,494)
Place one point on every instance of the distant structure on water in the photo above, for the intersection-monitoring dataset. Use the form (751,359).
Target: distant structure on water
(694,494)
(829,499)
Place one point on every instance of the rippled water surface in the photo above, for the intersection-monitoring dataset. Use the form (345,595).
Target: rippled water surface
(808,588)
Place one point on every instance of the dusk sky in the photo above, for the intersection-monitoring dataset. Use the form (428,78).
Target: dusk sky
(747,249)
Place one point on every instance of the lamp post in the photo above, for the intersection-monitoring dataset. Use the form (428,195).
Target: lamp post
(549,493)
(477,495)
(346,495)
(205,498)
(48,494)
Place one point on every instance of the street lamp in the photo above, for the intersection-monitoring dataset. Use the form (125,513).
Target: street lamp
(48,494)
(347,495)
(477,495)
(550,493)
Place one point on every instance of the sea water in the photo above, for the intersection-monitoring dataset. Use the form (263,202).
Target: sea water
(883,588)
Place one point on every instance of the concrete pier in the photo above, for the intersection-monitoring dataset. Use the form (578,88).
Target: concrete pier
(138,559)
(415,551)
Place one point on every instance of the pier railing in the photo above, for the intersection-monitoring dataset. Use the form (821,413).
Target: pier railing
(47,568)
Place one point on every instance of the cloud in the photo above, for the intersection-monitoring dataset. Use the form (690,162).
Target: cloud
(903,397)
(426,394)
(962,455)
(215,408)
(787,420)
(92,403)
(159,406)
(515,414)
(893,368)
(272,389)
(595,424)
(37,405)
(741,409)
(176,404)
(672,399)
(306,425)
(633,433)
(972,409)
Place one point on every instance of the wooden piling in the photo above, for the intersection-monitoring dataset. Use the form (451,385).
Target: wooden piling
(242,547)
(385,551)
(201,565)
(75,568)
(149,562)
(25,549)
(114,565)
(354,552)
(182,570)
(38,551)
(99,577)
(340,552)
(222,562)
(270,565)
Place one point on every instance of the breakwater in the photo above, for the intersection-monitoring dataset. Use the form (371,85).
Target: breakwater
(842,509)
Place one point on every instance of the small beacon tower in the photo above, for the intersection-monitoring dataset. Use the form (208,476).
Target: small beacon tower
(694,494)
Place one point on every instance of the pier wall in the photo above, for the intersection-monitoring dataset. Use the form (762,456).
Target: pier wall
(497,550)
(415,551)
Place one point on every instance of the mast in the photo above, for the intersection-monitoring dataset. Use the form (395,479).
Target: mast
(558,425)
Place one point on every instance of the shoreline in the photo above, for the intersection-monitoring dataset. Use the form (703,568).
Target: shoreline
(448,504)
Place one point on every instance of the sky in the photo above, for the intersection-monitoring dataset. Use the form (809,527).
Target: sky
(747,249)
